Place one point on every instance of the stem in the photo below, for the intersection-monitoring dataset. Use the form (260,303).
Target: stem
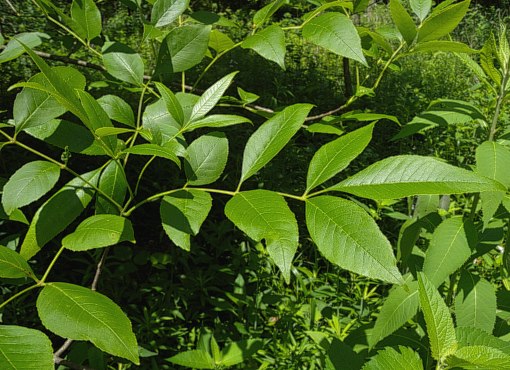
(148,200)
(142,172)
(50,267)
(20,293)
(386,65)
(499,102)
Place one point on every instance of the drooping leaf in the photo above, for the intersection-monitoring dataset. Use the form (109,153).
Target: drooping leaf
(400,306)
(333,157)
(113,182)
(13,49)
(194,359)
(439,322)
(402,358)
(210,98)
(123,63)
(475,303)
(403,21)
(99,231)
(443,22)
(216,121)
(12,265)
(348,237)
(448,250)
(24,349)
(117,109)
(269,44)
(166,151)
(29,183)
(78,313)
(86,14)
(263,214)
(335,32)
(183,213)
(112,131)
(58,212)
(406,175)
(264,14)
(165,12)
(479,357)
(421,8)
(206,158)
(172,104)
(488,57)
(218,41)
(265,143)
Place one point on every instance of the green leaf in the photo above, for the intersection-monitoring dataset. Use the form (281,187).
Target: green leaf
(441,23)
(468,336)
(210,98)
(400,306)
(439,322)
(267,141)
(475,302)
(263,214)
(123,63)
(186,46)
(113,182)
(29,183)
(479,357)
(158,121)
(165,12)
(216,121)
(443,45)
(492,161)
(182,214)
(206,158)
(403,21)
(195,359)
(13,266)
(335,32)
(24,349)
(402,358)
(448,250)
(86,14)
(57,213)
(421,8)
(117,109)
(167,152)
(264,14)
(348,237)
(333,157)
(406,175)
(237,352)
(14,49)
(269,44)
(112,131)
(172,104)
(488,55)
(219,42)
(99,231)
(78,313)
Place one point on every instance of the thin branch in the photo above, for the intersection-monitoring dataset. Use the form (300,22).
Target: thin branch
(70,364)
(99,269)
(12,7)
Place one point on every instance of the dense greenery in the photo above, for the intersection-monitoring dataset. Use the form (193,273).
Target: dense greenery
(287,185)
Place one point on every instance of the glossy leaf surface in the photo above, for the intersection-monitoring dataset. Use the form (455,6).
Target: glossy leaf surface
(123,63)
(24,349)
(165,12)
(86,14)
(206,158)
(12,265)
(269,44)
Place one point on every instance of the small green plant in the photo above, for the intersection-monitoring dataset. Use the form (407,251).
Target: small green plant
(187,130)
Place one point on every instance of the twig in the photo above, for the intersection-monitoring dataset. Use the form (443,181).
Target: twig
(99,269)
(12,7)
(70,364)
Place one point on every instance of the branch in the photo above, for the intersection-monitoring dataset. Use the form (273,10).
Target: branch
(69,364)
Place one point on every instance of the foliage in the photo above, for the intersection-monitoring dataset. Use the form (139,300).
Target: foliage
(95,173)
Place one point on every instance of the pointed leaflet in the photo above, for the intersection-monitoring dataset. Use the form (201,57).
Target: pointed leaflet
(113,182)
(57,213)
(264,14)
(86,14)
(195,359)
(475,303)
(467,336)
(12,265)
(448,250)
(182,214)
(172,104)
(492,161)
(439,322)
(216,121)
(479,357)
(24,349)
(406,175)
(165,12)
(166,151)
(333,157)
(219,42)
(403,21)
(267,141)
(99,231)
(210,97)
(443,22)
(400,306)
(443,45)
(14,49)
(421,8)
(78,313)
(264,214)
(206,158)
(402,358)
(347,236)
(335,32)
(117,109)
(269,44)
(123,63)
(29,183)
